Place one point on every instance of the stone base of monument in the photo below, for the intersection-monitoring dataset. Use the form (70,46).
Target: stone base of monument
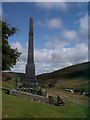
(29,95)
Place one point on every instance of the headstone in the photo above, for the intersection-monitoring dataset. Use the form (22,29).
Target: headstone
(50,100)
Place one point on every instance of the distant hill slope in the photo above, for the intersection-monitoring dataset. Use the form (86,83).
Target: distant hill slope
(72,72)
(10,75)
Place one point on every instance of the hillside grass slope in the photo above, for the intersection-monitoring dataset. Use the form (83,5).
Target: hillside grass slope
(76,105)
(75,75)
(18,107)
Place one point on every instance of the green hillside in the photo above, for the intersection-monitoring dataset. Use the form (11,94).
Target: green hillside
(9,75)
(18,107)
(68,75)
(74,77)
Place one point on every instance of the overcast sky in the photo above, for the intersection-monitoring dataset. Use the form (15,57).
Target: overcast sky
(60,33)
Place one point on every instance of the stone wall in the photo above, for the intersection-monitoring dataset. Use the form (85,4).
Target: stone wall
(29,95)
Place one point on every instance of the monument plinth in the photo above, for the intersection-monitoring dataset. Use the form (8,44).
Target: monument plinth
(30,80)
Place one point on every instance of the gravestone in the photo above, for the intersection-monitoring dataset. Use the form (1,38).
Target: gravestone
(50,100)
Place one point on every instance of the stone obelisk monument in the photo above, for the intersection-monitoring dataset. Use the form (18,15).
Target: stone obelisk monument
(30,79)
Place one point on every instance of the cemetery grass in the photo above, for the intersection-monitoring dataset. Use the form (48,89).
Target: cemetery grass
(18,107)
(76,106)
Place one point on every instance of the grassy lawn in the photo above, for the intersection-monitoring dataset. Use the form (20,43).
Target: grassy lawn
(76,106)
(73,83)
(67,96)
(18,107)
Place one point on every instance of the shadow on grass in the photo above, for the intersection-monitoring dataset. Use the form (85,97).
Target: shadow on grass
(6,91)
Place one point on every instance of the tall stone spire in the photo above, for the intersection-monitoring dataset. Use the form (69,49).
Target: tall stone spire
(30,67)
(30,43)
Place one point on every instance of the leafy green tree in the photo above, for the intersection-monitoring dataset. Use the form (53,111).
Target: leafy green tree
(9,56)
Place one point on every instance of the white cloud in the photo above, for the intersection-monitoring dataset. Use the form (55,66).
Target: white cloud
(53,59)
(50,59)
(53,23)
(77,54)
(70,34)
(83,26)
(20,65)
(81,33)
(55,54)
(52,5)
(40,23)
(17,45)
(43,55)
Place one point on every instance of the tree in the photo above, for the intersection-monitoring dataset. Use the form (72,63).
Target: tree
(9,56)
